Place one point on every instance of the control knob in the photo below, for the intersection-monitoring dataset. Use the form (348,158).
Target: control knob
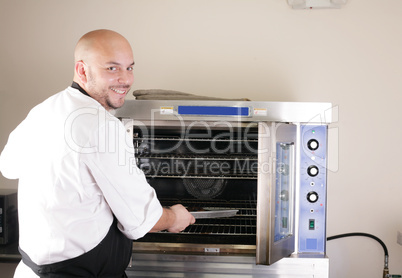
(313,144)
(312,196)
(312,171)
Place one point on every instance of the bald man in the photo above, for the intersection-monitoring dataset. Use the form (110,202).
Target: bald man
(82,200)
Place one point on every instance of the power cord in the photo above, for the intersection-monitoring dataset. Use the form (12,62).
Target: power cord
(386,270)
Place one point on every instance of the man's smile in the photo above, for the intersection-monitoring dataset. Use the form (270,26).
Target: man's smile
(120,92)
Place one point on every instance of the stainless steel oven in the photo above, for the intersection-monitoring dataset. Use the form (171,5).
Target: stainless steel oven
(266,160)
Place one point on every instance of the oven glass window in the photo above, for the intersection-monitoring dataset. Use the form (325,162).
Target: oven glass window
(284,190)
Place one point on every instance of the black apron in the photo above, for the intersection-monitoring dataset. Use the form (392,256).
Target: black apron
(107,260)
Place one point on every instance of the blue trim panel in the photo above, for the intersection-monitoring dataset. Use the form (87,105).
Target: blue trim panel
(213,110)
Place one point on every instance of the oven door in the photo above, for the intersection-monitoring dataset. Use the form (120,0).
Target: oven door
(259,181)
(276,191)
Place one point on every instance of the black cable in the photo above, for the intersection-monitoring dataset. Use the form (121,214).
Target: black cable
(370,236)
(361,234)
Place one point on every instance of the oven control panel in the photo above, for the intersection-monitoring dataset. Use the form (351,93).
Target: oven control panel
(313,184)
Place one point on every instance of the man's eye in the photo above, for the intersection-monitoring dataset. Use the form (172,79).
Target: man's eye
(112,68)
(130,68)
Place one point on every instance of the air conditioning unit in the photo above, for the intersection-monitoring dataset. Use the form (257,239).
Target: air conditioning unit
(316,4)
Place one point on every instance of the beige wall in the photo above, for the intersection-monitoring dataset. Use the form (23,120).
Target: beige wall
(260,49)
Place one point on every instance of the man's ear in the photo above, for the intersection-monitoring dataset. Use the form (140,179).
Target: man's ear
(81,71)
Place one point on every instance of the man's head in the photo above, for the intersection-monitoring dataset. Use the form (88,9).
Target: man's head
(104,67)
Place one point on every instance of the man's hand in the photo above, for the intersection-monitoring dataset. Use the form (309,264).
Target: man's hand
(183,219)
(174,219)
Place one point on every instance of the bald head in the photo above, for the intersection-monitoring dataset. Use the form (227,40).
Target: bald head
(99,41)
(103,66)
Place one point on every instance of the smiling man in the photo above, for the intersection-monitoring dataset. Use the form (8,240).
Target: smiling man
(80,203)
(104,67)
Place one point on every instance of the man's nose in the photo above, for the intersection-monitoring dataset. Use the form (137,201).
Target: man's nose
(126,77)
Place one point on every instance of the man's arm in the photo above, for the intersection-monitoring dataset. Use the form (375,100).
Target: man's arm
(174,219)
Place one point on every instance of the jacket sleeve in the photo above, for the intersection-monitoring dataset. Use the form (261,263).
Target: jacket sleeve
(12,160)
(132,200)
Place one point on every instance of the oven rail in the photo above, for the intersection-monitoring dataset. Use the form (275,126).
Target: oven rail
(179,139)
(203,157)
(244,223)
(201,166)
(201,177)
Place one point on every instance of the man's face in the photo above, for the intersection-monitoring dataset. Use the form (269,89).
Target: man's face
(110,76)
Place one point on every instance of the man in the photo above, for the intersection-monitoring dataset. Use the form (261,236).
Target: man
(81,198)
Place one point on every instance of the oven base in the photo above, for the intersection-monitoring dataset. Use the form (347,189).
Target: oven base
(213,266)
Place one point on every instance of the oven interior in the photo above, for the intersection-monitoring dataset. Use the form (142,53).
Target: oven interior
(203,167)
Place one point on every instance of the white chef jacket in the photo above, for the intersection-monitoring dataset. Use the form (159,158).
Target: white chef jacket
(76,168)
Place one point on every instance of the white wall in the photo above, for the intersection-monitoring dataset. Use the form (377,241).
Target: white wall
(260,49)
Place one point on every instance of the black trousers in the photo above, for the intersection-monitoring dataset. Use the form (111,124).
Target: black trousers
(107,260)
